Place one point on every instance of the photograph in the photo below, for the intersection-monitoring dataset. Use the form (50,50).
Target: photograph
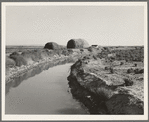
(74,61)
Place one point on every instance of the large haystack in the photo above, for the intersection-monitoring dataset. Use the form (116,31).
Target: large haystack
(77,43)
(52,45)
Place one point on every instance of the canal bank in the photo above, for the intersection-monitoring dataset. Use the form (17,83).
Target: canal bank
(105,92)
(105,86)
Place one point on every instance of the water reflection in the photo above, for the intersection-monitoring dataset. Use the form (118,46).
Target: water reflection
(32,72)
(45,93)
(91,101)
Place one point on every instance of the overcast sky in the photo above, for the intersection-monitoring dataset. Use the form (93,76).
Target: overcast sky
(102,25)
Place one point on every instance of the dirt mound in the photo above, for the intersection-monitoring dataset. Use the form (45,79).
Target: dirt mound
(18,58)
(77,43)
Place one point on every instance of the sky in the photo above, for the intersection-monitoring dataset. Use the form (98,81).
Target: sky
(100,25)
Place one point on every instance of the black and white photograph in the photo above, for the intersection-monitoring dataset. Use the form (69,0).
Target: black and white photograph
(74,61)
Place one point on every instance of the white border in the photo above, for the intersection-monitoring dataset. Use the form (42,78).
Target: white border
(76,117)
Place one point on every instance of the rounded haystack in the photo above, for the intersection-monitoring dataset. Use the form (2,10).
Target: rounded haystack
(52,45)
(77,43)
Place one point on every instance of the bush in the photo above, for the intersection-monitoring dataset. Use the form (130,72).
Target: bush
(65,52)
(95,57)
(111,70)
(19,59)
(135,65)
(70,51)
(81,50)
(106,68)
(121,63)
(130,71)
(90,49)
(128,82)
(138,71)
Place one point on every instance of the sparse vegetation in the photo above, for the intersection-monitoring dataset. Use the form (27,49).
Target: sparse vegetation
(120,66)
(135,65)
(90,49)
(130,70)
(121,63)
(128,82)
(135,71)
(124,77)
(106,68)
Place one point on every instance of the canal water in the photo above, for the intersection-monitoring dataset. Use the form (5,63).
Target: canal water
(42,90)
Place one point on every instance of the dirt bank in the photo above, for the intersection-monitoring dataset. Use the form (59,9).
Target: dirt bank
(20,62)
(106,87)
(16,71)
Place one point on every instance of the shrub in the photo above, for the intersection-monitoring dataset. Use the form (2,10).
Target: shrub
(106,68)
(81,50)
(111,70)
(65,52)
(70,51)
(138,71)
(130,70)
(19,59)
(95,57)
(121,63)
(135,65)
(90,49)
(128,82)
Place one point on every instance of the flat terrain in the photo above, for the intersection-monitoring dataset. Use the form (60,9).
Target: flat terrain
(10,49)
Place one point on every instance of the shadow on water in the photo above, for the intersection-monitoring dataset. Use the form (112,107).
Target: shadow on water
(32,72)
(93,102)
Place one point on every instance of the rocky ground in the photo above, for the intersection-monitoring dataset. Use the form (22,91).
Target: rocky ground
(107,80)
(109,87)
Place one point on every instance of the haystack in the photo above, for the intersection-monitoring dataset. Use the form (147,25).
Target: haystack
(77,43)
(52,46)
